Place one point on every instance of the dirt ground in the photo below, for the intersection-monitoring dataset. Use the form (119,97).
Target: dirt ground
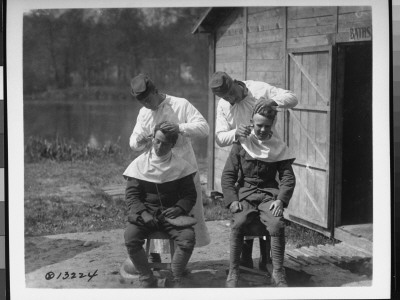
(94,259)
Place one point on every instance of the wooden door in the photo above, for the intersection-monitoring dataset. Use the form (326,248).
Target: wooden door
(308,134)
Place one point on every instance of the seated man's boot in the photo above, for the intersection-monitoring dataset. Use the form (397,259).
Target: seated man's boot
(233,277)
(178,266)
(246,259)
(236,242)
(146,277)
(277,253)
(279,277)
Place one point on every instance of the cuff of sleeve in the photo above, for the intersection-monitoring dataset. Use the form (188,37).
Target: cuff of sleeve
(284,200)
(279,103)
(182,128)
(141,212)
(135,147)
(182,204)
(229,199)
(235,139)
(183,209)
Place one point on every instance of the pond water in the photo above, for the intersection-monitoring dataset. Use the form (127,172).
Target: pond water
(89,122)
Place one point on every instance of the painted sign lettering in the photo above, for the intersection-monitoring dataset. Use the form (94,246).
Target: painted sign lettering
(360,33)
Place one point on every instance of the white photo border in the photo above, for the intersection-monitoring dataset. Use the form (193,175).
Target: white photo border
(381,162)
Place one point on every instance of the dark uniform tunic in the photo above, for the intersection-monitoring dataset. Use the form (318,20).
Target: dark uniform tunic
(143,195)
(253,182)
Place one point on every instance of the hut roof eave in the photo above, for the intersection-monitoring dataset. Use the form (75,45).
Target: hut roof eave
(211,17)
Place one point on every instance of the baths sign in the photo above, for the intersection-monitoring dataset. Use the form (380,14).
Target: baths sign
(360,33)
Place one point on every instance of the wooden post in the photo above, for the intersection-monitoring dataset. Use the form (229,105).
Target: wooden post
(285,76)
(285,79)
(338,152)
(245,43)
(211,116)
(336,15)
(331,160)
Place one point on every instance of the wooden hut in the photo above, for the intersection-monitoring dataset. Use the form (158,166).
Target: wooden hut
(324,55)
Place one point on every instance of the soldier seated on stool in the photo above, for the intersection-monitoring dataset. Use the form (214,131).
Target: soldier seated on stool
(237,101)
(160,187)
(260,197)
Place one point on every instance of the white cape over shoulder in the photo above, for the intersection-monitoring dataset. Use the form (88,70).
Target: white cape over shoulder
(270,150)
(150,167)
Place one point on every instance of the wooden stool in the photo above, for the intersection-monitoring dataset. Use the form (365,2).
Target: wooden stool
(160,235)
(257,230)
(263,251)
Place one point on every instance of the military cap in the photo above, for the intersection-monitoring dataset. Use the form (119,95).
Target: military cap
(141,86)
(220,82)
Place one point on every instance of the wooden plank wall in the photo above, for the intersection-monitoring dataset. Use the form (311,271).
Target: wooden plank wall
(229,57)
(311,26)
(309,199)
(229,45)
(319,26)
(267,28)
(354,16)
(266,50)
(265,47)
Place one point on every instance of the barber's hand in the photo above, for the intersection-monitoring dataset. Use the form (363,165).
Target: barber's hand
(277,208)
(235,206)
(148,219)
(143,139)
(172,212)
(170,126)
(265,104)
(243,131)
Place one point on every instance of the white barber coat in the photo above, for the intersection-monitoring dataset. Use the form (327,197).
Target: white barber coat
(191,124)
(229,117)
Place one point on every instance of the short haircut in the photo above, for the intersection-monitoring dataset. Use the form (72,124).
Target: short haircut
(170,133)
(270,114)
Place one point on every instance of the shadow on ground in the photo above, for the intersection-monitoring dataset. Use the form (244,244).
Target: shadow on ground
(205,271)
(212,274)
(38,254)
(363,267)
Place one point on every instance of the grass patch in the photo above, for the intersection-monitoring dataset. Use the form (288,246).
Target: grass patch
(67,196)
(38,149)
(300,236)
(53,215)
(215,210)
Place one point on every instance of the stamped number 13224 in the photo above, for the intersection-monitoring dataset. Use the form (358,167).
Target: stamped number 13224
(66,275)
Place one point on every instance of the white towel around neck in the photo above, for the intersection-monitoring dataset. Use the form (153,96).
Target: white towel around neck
(158,169)
(271,150)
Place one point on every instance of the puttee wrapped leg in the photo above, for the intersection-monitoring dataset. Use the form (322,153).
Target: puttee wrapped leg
(236,242)
(146,277)
(277,253)
(178,265)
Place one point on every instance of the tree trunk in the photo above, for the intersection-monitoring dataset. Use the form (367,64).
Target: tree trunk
(53,53)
